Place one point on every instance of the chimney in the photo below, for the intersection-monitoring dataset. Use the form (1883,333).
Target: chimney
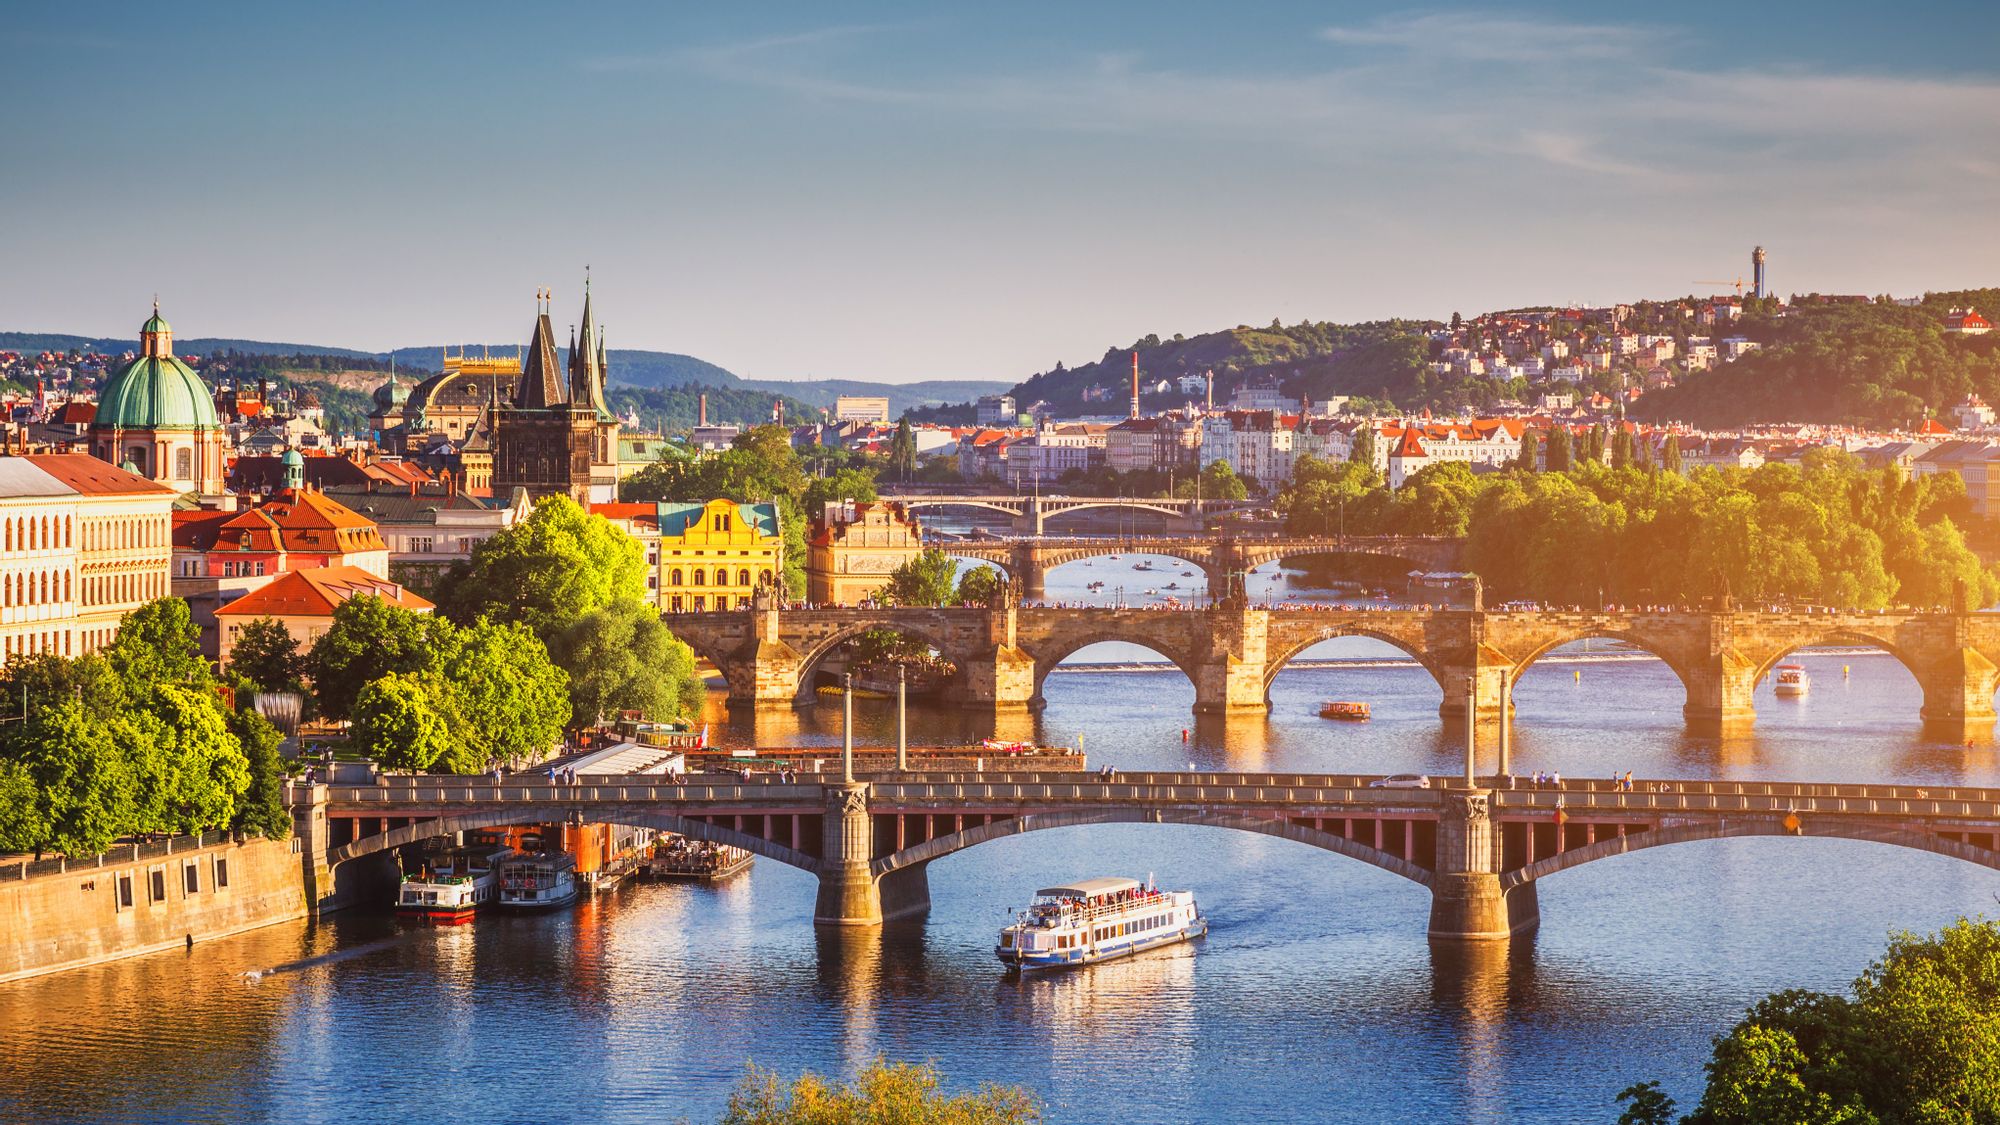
(1135,384)
(702,418)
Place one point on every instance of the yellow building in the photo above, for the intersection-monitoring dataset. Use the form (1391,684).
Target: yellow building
(715,555)
(855,547)
(82,543)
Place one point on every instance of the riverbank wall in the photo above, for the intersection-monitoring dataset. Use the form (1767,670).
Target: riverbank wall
(62,914)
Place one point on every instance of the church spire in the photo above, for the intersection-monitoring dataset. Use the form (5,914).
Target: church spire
(586,358)
(541,384)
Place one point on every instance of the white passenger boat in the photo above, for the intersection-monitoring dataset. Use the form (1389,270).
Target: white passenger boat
(456,885)
(1792,680)
(1095,920)
(539,882)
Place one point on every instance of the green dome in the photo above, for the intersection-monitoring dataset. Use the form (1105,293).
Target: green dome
(155,323)
(155,393)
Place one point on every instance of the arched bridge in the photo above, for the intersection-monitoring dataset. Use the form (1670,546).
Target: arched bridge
(1027,561)
(1232,651)
(1479,850)
(1030,513)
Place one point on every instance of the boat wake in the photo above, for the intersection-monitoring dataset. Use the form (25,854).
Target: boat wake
(253,976)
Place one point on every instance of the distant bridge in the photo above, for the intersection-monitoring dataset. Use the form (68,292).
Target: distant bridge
(1231,651)
(1028,560)
(1480,851)
(1030,513)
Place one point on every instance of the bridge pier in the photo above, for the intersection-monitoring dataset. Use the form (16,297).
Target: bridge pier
(1492,691)
(1468,900)
(1958,695)
(850,893)
(1230,679)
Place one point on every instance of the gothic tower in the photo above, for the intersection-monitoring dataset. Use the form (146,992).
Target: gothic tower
(543,439)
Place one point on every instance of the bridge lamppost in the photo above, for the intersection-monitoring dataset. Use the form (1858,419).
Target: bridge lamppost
(902,718)
(1472,730)
(1506,721)
(847,727)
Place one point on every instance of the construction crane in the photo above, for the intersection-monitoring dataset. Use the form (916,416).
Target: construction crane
(1738,283)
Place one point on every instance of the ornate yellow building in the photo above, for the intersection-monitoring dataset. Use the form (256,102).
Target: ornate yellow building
(854,548)
(715,555)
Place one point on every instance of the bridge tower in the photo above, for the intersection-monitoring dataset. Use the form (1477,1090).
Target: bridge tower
(1468,901)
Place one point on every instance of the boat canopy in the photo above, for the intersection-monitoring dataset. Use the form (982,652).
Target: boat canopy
(1090,888)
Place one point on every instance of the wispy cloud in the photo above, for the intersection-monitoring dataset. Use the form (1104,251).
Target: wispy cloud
(1485,37)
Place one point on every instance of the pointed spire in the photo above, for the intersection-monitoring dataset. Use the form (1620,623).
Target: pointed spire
(541,384)
(586,363)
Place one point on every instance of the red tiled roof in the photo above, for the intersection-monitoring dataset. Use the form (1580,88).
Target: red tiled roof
(93,477)
(318,592)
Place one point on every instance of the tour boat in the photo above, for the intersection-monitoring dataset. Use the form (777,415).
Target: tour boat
(1352,711)
(696,860)
(1792,680)
(456,886)
(1094,920)
(538,882)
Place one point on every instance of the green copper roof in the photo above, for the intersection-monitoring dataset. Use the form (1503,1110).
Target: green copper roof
(155,323)
(155,393)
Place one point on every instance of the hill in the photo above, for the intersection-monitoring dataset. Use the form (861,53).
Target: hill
(185,345)
(1875,364)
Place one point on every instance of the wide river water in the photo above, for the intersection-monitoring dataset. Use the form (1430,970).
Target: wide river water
(1315,997)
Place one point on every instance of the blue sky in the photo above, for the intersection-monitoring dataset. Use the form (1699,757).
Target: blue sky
(905,191)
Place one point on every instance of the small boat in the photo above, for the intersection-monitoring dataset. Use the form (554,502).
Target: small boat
(1173,586)
(539,882)
(1792,680)
(1142,565)
(1187,574)
(1151,593)
(1094,920)
(697,860)
(454,887)
(1353,712)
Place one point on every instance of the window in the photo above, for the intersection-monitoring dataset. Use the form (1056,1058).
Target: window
(742,603)
(722,576)
(421,544)
(221,872)
(677,603)
(125,892)
(743,577)
(191,876)
(700,577)
(675,579)
(158,878)
(700,603)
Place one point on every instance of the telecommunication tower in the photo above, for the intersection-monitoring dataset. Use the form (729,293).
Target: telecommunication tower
(1757,272)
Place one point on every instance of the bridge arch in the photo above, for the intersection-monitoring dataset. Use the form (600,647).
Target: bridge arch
(1626,636)
(1035,822)
(1810,825)
(541,814)
(1255,558)
(936,637)
(1056,651)
(1844,636)
(1005,508)
(1295,648)
(1189,559)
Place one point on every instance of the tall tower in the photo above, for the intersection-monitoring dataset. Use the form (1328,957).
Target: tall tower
(587,373)
(1757,272)
(543,440)
(1135,384)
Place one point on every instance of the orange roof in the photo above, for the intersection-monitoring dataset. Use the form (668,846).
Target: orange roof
(1410,446)
(93,477)
(1931,427)
(624,511)
(318,592)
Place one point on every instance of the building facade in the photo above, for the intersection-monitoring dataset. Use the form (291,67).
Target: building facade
(715,555)
(157,418)
(555,436)
(855,546)
(82,543)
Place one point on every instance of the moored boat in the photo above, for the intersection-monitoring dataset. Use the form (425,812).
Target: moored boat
(538,882)
(1094,920)
(454,886)
(1792,680)
(1353,712)
(698,860)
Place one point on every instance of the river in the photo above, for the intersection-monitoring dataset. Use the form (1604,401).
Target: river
(1315,998)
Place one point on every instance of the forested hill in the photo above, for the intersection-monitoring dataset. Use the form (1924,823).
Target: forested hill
(1877,364)
(1380,361)
(25,342)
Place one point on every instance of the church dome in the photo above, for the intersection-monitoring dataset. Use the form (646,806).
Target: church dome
(392,393)
(155,391)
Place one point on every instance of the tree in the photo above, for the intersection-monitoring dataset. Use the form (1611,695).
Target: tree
(1530,451)
(261,810)
(1216,482)
(1650,1105)
(158,643)
(1621,448)
(266,654)
(1558,457)
(509,700)
(930,579)
(841,484)
(369,639)
(1593,445)
(623,658)
(882,1092)
(1670,455)
(199,764)
(547,571)
(1363,452)
(978,586)
(396,723)
(81,784)
(903,448)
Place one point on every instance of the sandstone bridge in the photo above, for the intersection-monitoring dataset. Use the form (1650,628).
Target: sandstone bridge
(1232,651)
(1027,561)
(1479,850)
(1030,514)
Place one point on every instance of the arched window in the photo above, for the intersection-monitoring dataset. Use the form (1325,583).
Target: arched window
(765,577)
(700,578)
(722,576)
(700,603)
(674,578)
(743,577)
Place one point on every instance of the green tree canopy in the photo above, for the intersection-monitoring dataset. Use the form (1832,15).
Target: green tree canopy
(266,654)
(397,724)
(622,658)
(883,1092)
(81,783)
(158,643)
(368,639)
(547,571)
(512,699)
(929,579)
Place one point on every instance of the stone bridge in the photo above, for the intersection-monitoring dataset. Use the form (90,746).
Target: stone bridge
(1027,561)
(1030,514)
(1231,651)
(1479,849)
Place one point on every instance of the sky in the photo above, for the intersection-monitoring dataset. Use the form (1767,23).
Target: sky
(917,191)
